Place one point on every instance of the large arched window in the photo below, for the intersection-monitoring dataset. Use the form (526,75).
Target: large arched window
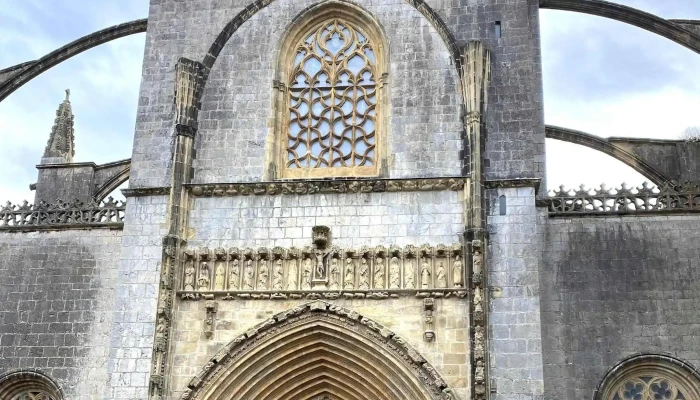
(28,385)
(650,377)
(330,109)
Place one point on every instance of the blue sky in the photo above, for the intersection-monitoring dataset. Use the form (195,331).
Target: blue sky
(600,76)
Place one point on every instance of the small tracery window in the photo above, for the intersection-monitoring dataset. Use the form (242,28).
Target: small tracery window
(650,377)
(332,75)
(649,388)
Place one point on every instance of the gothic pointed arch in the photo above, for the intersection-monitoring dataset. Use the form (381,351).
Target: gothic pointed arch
(314,350)
(331,98)
(650,376)
(28,385)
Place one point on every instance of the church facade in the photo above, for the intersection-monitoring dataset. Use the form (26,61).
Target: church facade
(345,200)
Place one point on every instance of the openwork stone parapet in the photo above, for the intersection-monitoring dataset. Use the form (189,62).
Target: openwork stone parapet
(76,214)
(310,273)
(326,186)
(624,200)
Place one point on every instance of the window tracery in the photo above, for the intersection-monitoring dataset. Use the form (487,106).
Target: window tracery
(650,377)
(34,395)
(330,118)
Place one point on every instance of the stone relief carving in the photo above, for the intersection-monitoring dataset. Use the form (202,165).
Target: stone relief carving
(283,273)
(428,308)
(349,281)
(211,307)
(320,310)
(324,186)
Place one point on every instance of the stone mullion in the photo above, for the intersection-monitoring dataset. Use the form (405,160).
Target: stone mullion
(476,70)
(188,86)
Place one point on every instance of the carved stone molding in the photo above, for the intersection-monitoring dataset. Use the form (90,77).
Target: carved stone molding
(326,186)
(293,273)
(513,183)
(142,192)
(266,333)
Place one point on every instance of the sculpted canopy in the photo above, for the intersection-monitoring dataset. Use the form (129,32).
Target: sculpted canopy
(330,102)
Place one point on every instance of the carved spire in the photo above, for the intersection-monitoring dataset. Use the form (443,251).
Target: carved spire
(60,148)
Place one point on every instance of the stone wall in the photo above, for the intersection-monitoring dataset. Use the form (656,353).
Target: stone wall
(425,106)
(613,287)
(134,308)
(56,300)
(424,92)
(368,219)
(515,343)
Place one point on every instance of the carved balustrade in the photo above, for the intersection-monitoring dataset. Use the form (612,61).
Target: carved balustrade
(281,273)
(645,199)
(61,214)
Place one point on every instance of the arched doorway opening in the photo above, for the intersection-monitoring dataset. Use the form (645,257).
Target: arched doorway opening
(318,350)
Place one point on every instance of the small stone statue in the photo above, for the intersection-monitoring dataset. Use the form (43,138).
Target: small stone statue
(363,280)
(478,304)
(409,273)
(379,273)
(278,275)
(394,273)
(478,266)
(292,275)
(263,273)
(479,372)
(306,275)
(248,275)
(320,268)
(457,273)
(425,275)
(440,281)
(160,328)
(189,276)
(349,282)
(334,272)
(203,281)
(233,275)
(220,277)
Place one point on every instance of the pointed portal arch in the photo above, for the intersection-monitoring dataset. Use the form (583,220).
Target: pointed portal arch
(315,350)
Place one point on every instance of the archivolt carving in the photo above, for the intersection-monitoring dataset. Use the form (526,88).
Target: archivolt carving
(28,385)
(318,348)
(283,273)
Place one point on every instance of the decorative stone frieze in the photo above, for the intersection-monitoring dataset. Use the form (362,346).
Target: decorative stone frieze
(141,192)
(272,335)
(294,273)
(645,199)
(109,212)
(326,186)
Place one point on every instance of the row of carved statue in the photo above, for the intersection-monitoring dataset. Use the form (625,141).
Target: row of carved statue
(684,197)
(334,186)
(308,269)
(109,211)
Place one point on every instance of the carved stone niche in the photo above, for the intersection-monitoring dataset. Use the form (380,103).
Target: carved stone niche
(321,236)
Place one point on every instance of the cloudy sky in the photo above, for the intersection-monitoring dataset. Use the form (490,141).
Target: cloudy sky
(600,76)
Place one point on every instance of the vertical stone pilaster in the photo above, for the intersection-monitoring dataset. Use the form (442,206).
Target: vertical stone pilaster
(476,75)
(188,84)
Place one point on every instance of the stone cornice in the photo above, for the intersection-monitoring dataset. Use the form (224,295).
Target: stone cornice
(344,185)
(513,183)
(151,191)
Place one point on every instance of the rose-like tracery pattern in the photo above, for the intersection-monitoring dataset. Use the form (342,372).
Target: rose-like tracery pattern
(33,395)
(648,388)
(333,99)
